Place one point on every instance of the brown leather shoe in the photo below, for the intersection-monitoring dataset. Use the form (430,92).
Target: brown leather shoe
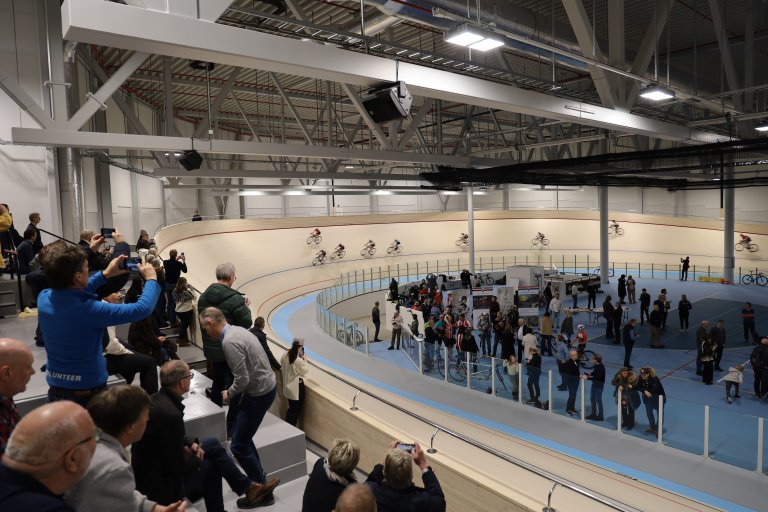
(258,491)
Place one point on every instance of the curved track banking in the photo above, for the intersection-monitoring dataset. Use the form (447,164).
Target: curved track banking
(272,261)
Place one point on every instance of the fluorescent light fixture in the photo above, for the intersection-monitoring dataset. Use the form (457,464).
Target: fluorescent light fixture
(478,192)
(489,43)
(657,93)
(382,192)
(450,193)
(253,193)
(464,35)
(295,193)
(349,166)
(762,128)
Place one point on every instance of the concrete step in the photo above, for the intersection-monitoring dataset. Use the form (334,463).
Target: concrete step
(39,395)
(282,449)
(288,498)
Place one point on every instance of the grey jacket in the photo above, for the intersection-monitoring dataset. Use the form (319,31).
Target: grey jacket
(248,362)
(109,483)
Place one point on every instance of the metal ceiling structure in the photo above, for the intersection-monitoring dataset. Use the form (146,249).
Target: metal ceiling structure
(289,74)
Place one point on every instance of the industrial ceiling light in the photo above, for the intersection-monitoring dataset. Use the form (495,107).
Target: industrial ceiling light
(489,43)
(477,39)
(657,93)
(464,35)
(762,128)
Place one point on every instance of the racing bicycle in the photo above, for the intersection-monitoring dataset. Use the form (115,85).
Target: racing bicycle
(462,241)
(615,229)
(756,277)
(394,249)
(750,246)
(350,336)
(338,253)
(319,260)
(540,239)
(314,239)
(596,272)
(368,250)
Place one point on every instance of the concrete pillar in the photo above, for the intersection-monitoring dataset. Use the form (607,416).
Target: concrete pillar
(729,221)
(602,194)
(471,228)
(505,196)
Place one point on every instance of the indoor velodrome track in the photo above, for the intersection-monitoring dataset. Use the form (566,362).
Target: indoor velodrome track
(274,271)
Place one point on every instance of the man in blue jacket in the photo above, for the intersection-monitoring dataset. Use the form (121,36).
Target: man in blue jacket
(73,321)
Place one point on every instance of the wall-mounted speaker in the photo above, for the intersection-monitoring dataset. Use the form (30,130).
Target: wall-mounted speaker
(191,160)
(389,102)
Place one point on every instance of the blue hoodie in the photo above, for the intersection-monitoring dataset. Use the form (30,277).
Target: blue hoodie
(73,323)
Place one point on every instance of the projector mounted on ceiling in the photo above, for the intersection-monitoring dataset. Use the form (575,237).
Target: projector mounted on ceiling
(388,102)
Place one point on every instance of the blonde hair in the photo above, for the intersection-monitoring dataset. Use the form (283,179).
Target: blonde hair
(343,457)
(398,469)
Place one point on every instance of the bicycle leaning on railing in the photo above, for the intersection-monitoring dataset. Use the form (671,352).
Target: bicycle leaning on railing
(480,370)
(756,277)
(350,336)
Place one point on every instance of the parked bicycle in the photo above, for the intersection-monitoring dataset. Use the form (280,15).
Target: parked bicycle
(314,237)
(596,272)
(436,361)
(319,258)
(395,247)
(614,228)
(350,336)
(481,371)
(540,239)
(756,277)
(463,240)
(486,278)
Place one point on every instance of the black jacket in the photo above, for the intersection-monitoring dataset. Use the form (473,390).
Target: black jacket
(652,384)
(608,310)
(321,493)
(263,339)
(655,318)
(625,337)
(570,367)
(718,336)
(410,499)
(158,460)
(645,300)
(598,375)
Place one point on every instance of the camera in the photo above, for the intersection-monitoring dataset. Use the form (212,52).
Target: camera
(107,232)
(130,264)
(406,447)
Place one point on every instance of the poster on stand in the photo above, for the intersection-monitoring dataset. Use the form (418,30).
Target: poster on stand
(457,295)
(506,295)
(528,305)
(481,303)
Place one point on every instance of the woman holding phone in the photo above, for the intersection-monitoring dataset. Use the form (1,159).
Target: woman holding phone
(294,366)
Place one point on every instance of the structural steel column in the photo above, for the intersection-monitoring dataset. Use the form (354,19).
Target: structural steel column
(602,194)
(728,227)
(471,228)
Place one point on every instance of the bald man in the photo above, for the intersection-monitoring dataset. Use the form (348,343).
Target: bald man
(48,452)
(356,498)
(15,371)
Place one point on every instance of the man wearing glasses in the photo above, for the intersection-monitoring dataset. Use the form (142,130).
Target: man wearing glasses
(169,466)
(48,453)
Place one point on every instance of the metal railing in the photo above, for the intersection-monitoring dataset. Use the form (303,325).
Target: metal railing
(554,479)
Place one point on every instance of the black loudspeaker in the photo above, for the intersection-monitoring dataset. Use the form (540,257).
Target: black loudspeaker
(389,102)
(191,160)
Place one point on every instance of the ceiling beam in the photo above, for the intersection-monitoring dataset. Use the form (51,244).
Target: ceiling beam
(115,25)
(67,138)
(168,172)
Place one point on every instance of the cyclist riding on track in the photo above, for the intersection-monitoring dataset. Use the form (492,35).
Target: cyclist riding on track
(321,255)
(316,232)
(614,224)
(370,244)
(339,248)
(540,236)
(464,236)
(745,240)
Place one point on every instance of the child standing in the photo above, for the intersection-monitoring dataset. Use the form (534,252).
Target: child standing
(734,377)
(513,370)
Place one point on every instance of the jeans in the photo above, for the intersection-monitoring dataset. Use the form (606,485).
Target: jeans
(222,379)
(591,301)
(206,481)
(750,328)
(708,371)
(81,397)
(572,381)
(546,345)
(556,319)
(396,337)
(295,407)
(496,342)
(651,405)
(247,422)
(655,336)
(129,365)
(485,342)
(575,301)
(596,399)
(609,327)
(170,304)
(718,355)
(728,385)
(644,315)
(683,321)
(684,274)
(185,319)
(377,325)
(429,354)
(628,346)
(533,383)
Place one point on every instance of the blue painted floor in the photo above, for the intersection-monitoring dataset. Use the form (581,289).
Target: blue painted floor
(733,434)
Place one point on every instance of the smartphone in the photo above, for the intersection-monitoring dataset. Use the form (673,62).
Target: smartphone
(130,264)
(406,447)
(107,232)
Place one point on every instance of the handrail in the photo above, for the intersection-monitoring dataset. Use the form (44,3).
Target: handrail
(583,491)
